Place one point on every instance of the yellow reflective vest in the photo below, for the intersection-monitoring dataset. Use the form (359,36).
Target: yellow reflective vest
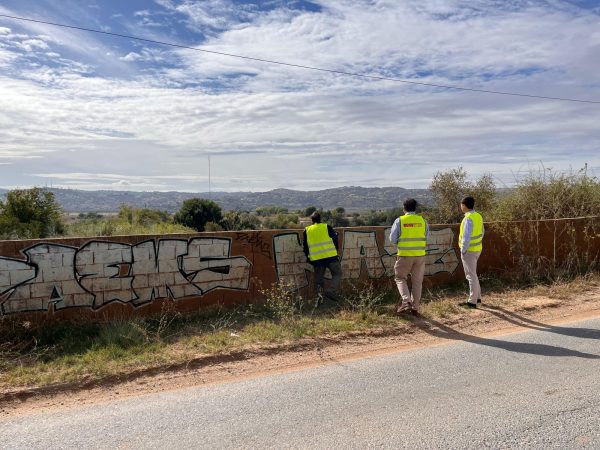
(476,242)
(413,235)
(320,245)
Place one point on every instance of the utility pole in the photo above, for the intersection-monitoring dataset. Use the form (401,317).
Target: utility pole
(209,195)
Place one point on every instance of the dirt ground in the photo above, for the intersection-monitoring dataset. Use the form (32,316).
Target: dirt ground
(536,313)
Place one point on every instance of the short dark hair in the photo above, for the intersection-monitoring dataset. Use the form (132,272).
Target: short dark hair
(469,202)
(316,217)
(410,205)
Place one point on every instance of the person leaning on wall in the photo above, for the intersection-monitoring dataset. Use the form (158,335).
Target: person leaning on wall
(470,241)
(321,249)
(409,233)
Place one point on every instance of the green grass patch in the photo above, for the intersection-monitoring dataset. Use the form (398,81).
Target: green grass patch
(49,353)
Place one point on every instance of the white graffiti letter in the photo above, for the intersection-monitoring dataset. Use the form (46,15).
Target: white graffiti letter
(104,269)
(208,265)
(360,248)
(290,260)
(54,281)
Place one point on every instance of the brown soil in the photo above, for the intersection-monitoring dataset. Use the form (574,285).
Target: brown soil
(527,313)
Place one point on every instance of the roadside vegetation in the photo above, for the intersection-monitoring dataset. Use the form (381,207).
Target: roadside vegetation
(41,354)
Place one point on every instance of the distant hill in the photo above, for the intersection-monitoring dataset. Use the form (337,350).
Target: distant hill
(352,198)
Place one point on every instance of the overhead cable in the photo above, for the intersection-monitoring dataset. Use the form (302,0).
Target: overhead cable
(298,66)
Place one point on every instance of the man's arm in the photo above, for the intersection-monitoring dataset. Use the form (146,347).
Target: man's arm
(305,243)
(333,235)
(395,233)
(466,238)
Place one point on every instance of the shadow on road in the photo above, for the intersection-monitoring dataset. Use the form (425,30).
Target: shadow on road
(440,330)
(516,319)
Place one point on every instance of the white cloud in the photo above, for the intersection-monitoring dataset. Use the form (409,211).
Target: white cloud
(131,56)
(32,44)
(275,126)
(217,14)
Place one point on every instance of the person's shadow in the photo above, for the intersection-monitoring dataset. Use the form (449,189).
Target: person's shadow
(440,330)
(516,319)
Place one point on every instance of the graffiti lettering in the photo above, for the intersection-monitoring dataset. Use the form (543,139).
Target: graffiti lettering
(360,253)
(440,257)
(290,260)
(361,250)
(157,274)
(99,266)
(208,265)
(56,276)
(102,272)
(54,282)
(255,239)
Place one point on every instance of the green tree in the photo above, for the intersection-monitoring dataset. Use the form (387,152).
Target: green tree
(29,214)
(308,211)
(197,212)
(393,213)
(449,187)
(357,220)
(337,218)
(282,221)
(237,220)
(143,216)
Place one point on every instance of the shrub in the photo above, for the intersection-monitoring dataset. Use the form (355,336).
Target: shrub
(448,189)
(550,195)
(197,212)
(30,214)
(236,220)
(282,301)
(364,297)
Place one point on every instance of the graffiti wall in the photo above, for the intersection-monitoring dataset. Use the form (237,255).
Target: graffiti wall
(362,253)
(132,274)
(98,273)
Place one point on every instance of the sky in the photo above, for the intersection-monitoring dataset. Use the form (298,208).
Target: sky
(89,111)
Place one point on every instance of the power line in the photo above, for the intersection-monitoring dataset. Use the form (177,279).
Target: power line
(299,66)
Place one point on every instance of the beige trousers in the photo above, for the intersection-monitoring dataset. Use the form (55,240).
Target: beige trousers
(469,261)
(415,266)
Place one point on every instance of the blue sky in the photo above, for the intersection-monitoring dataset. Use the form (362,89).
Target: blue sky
(90,111)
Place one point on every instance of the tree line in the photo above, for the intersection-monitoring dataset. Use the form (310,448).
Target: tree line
(542,194)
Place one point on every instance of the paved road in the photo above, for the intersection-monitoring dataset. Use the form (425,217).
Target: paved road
(539,389)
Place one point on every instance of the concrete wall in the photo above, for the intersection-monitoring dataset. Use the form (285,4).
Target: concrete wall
(100,278)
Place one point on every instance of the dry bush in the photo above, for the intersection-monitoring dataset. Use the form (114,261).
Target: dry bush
(450,187)
(545,194)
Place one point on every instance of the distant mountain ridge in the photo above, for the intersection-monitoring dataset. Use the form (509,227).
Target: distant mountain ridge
(352,198)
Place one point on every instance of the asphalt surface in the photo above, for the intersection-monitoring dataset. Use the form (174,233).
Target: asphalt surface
(537,389)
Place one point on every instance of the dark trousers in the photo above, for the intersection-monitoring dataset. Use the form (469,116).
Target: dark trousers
(336,276)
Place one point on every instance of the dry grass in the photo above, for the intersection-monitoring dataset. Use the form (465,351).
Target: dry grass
(77,352)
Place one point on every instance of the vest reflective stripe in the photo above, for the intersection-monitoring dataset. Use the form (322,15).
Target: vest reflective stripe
(476,242)
(412,240)
(320,245)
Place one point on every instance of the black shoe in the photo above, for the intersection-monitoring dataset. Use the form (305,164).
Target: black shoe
(478,300)
(403,308)
(467,304)
(415,313)
(332,296)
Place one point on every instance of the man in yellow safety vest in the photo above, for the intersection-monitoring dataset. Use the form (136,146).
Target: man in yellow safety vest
(409,233)
(321,249)
(470,241)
